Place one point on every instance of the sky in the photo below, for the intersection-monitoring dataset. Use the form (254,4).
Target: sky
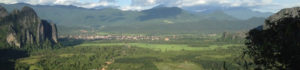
(257,5)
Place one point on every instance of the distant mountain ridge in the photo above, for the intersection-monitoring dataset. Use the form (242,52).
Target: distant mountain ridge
(71,20)
(237,12)
(24,29)
(161,12)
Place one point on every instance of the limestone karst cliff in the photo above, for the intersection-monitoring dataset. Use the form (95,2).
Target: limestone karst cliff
(23,27)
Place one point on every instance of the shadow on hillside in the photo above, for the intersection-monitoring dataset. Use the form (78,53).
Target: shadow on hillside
(9,56)
(160,13)
(70,42)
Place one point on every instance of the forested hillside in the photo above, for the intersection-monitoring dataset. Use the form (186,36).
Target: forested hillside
(71,20)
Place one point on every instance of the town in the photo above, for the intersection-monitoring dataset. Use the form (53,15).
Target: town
(118,37)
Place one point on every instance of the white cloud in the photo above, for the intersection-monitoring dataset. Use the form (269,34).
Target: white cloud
(9,1)
(64,2)
(275,7)
(186,3)
(152,1)
(143,3)
(146,4)
(100,3)
(137,8)
(78,3)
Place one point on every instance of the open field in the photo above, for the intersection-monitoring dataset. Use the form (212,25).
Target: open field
(136,56)
(163,47)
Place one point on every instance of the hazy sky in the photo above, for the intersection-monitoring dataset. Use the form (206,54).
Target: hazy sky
(259,5)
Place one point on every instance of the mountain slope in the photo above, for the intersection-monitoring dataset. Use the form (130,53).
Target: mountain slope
(237,12)
(72,20)
(162,12)
(24,29)
(246,13)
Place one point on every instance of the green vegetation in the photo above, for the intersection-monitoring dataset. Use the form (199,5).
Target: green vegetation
(138,55)
(197,46)
(3,33)
(164,47)
(72,20)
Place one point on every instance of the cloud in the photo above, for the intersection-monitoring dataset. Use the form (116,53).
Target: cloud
(9,1)
(112,1)
(137,8)
(78,3)
(62,2)
(185,3)
(143,2)
(198,5)
(92,5)
(274,7)
(146,4)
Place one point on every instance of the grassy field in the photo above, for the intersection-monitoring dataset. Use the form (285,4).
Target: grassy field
(163,47)
(136,56)
(178,66)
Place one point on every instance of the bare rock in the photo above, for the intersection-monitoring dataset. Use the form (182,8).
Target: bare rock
(285,16)
(12,38)
(285,13)
(27,29)
(54,33)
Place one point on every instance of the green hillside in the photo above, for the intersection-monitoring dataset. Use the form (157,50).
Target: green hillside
(71,20)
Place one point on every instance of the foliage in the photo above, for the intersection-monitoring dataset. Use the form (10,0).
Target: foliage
(135,56)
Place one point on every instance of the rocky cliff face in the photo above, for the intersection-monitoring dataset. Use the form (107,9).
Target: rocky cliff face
(278,41)
(25,28)
(283,17)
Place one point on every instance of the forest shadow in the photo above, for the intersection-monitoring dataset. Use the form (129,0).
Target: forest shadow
(70,42)
(9,56)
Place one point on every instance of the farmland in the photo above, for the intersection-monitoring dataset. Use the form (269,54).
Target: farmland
(138,55)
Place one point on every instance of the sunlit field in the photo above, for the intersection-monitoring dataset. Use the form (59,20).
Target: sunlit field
(138,56)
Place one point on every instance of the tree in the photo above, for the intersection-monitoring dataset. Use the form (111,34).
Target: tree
(276,45)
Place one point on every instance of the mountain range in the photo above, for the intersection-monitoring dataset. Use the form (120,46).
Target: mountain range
(71,19)
(237,12)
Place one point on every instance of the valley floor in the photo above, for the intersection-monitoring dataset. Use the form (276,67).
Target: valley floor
(103,55)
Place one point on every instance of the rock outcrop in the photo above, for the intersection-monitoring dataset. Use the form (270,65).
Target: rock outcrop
(25,28)
(283,17)
(276,44)
(285,14)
